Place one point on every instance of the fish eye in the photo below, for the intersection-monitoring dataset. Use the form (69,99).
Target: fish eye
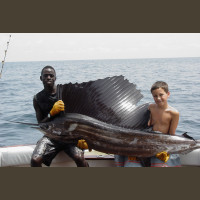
(47,126)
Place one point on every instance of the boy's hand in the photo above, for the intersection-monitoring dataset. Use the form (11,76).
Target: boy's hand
(57,107)
(82,144)
(164,156)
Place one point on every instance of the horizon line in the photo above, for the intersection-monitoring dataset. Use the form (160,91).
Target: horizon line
(103,59)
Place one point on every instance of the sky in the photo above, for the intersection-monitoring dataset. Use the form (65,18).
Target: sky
(89,46)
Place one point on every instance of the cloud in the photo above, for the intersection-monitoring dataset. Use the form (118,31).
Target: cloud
(79,46)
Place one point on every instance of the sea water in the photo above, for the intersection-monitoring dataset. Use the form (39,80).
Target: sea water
(21,81)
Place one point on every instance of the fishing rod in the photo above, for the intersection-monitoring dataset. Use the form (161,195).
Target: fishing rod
(5,56)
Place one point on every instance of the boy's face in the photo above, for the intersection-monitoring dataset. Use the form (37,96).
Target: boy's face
(160,96)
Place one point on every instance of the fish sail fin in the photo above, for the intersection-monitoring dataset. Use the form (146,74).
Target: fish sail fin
(138,118)
(112,100)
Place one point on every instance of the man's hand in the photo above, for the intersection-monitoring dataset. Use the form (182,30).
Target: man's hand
(57,107)
(82,144)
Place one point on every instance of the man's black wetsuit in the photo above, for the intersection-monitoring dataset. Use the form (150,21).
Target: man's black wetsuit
(45,101)
(47,148)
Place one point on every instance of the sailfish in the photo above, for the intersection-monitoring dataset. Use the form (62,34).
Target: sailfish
(105,113)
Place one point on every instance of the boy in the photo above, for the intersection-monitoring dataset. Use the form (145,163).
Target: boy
(164,119)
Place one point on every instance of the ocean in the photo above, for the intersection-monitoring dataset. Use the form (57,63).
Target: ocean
(21,81)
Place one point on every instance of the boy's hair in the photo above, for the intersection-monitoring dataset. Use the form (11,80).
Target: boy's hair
(160,84)
(47,67)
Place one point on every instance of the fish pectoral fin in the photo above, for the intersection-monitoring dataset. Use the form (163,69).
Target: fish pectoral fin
(70,126)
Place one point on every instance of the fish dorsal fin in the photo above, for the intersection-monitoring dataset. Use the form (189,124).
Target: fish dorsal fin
(112,100)
(187,136)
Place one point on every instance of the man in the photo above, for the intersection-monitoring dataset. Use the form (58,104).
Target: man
(47,106)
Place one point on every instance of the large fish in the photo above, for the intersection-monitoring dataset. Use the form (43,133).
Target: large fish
(104,113)
(113,139)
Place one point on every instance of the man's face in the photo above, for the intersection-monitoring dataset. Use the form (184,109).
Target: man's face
(48,77)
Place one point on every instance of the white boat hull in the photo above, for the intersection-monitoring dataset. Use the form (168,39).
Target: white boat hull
(20,156)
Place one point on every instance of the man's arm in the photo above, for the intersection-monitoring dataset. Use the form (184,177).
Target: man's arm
(39,115)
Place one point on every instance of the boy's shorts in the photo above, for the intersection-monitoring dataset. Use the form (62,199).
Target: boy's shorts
(174,161)
(128,161)
(48,149)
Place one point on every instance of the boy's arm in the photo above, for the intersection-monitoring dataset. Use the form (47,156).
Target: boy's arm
(149,122)
(174,122)
(164,156)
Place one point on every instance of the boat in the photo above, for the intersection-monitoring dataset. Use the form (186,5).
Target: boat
(20,156)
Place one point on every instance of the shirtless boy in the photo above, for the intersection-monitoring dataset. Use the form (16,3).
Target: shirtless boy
(164,119)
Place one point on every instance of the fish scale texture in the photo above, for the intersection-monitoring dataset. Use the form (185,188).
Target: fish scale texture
(112,100)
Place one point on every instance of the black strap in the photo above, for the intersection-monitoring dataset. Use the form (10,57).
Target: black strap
(59,96)
(59,91)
